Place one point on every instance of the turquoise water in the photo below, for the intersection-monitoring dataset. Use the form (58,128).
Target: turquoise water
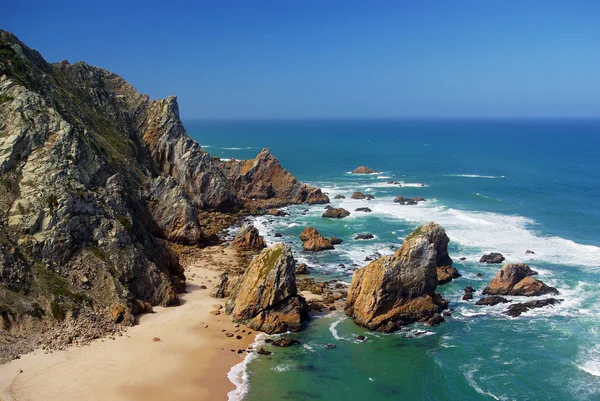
(505,186)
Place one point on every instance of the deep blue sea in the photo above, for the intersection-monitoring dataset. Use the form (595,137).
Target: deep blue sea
(494,185)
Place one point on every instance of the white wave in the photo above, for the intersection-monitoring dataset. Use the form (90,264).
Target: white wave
(246,148)
(225,159)
(396,184)
(590,361)
(238,374)
(333,329)
(383,177)
(493,232)
(475,176)
(469,375)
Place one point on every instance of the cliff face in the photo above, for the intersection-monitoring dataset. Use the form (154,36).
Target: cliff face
(396,290)
(95,178)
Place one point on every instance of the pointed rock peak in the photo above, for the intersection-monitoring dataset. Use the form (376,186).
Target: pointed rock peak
(435,234)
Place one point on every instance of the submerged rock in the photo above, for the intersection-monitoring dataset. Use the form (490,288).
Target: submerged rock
(285,342)
(248,239)
(266,298)
(493,257)
(408,201)
(339,197)
(363,209)
(445,274)
(400,289)
(516,309)
(364,170)
(336,213)
(491,301)
(516,279)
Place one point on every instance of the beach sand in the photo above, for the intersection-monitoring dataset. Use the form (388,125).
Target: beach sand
(189,362)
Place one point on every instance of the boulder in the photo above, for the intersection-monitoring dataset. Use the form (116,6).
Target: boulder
(339,197)
(248,239)
(266,298)
(336,213)
(313,241)
(360,195)
(516,309)
(399,289)
(516,279)
(364,170)
(285,342)
(364,236)
(408,201)
(276,212)
(302,269)
(491,301)
(278,235)
(493,257)
(307,233)
(363,209)
(529,252)
(335,241)
(445,274)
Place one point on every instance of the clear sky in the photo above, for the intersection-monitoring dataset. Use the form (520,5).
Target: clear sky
(329,58)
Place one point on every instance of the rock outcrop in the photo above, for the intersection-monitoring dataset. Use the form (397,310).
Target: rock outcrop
(266,298)
(263,183)
(445,274)
(396,290)
(491,301)
(313,241)
(408,201)
(493,257)
(515,310)
(364,236)
(336,213)
(516,279)
(363,209)
(249,239)
(360,195)
(364,170)
(338,196)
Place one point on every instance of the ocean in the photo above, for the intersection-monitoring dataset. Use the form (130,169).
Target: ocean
(494,185)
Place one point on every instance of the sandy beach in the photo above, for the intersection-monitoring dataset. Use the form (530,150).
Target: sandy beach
(175,353)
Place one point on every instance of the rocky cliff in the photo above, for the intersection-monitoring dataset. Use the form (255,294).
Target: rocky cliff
(95,180)
(395,290)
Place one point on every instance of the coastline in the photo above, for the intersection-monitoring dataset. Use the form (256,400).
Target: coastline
(193,354)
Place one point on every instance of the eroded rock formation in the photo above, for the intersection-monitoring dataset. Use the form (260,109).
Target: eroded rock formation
(248,239)
(396,290)
(266,298)
(313,241)
(336,213)
(516,279)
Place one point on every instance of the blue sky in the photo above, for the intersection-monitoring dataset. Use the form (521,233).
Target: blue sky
(323,59)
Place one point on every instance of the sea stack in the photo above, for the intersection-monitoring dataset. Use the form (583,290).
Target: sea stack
(396,290)
(516,279)
(266,298)
(364,170)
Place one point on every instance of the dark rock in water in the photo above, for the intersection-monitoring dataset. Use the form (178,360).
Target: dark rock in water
(435,320)
(408,201)
(360,195)
(407,279)
(361,338)
(277,212)
(516,279)
(278,235)
(516,309)
(364,170)
(368,259)
(445,274)
(479,275)
(337,213)
(339,197)
(446,314)
(330,345)
(262,351)
(328,207)
(493,257)
(341,265)
(285,342)
(364,236)
(302,269)
(470,289)
(491,301)
(313,241)
(269,340)
(529,252)
(335,241)
(462,258)
(248,239)
(468,296)
(363,209)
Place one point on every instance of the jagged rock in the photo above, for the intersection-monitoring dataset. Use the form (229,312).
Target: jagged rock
(313,241)
(335,241)
(248,239)
(278,235)
(529,252)
(225,286)
(302,269)
(338,196)
(399,289)
(363,209)
(364,170)
(266,298)
(364,236)
(336,213)
(493,257)
(262,351)
(491,301)
(408,201)
(445,274)
(516,279)
(515,310)
(285,342)
(360,195)
(276,212)
(263,182)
